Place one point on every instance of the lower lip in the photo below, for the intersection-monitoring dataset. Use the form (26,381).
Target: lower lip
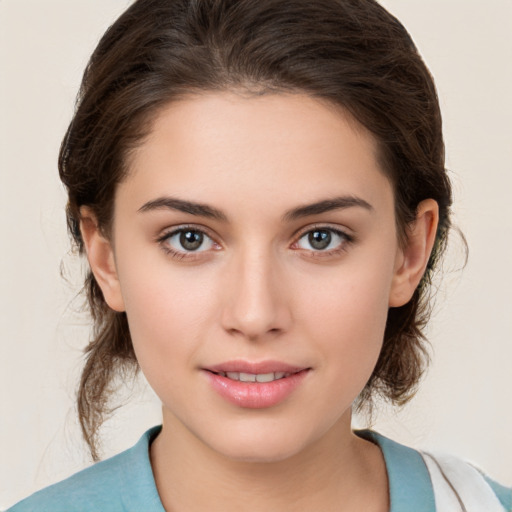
(256,395)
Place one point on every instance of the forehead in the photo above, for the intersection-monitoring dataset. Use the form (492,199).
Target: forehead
(221,146)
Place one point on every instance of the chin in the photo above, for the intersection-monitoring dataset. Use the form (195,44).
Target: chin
(260,445)
(259,454)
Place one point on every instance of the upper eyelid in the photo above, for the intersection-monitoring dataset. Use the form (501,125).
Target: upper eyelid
(167,232)
(322,226)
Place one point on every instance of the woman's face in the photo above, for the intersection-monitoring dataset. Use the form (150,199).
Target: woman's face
(254,239)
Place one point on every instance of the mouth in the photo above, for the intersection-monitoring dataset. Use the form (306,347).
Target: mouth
(254,377)
(256,385)
(264,371)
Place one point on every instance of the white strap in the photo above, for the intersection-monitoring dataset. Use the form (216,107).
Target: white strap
(459,487)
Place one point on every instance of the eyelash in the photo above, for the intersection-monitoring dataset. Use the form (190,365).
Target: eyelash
(346,239)
(181,255)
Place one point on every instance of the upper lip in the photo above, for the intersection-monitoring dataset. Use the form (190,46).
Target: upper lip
(256,368)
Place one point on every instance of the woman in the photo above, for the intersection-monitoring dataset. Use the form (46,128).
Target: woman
(261,194)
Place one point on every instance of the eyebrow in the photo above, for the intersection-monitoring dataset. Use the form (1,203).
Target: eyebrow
(204,210)
(327,205)
(193,208)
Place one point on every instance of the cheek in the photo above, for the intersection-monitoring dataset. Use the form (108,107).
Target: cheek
(167,312)
(351,326)
(353,297)
(346,315)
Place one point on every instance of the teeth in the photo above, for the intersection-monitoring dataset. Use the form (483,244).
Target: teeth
(252,377)
(265,377)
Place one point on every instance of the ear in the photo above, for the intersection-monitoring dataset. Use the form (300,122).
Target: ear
(101,259)
(412,259)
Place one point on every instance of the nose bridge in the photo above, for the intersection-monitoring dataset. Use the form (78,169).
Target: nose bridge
(255,302)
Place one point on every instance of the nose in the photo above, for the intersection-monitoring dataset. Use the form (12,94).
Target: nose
(255,305)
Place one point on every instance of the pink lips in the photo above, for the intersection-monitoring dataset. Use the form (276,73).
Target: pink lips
(274,382)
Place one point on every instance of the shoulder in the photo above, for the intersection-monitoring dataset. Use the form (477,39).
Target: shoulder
(457,481)
(503,493)
(94,488)
(436,482)
(113,485)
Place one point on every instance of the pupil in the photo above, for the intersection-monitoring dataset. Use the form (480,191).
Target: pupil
(320,239)
(191,240)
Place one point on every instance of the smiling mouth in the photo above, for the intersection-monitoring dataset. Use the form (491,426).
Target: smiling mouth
(255,385)
(254,377)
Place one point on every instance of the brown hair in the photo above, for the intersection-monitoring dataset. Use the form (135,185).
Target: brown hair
(352,53)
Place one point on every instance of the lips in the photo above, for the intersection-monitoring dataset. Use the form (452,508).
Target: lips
(255,385)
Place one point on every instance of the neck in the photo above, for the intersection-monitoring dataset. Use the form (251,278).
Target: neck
(340,472)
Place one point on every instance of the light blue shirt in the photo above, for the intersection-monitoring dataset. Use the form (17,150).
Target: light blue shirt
(125,483)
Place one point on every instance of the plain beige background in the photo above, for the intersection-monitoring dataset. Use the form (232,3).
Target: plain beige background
(464,406)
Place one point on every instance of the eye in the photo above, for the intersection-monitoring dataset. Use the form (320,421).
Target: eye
(323,239)
(187,240)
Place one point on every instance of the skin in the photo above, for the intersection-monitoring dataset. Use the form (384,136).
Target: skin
(258,290)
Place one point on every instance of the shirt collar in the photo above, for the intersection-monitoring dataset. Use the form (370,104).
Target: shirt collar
(410,487)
